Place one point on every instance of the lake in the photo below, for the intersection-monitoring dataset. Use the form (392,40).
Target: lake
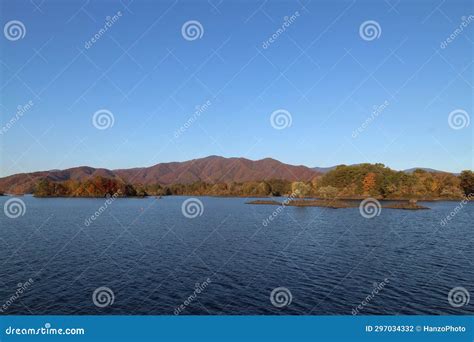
(144,257)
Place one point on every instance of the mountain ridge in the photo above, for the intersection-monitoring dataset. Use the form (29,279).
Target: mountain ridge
(211,169)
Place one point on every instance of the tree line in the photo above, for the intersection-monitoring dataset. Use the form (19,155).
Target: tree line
(356,181)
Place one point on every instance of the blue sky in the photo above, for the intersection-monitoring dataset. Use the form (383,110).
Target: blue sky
(319,69)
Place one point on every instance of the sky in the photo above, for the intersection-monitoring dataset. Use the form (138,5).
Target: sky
(317,83)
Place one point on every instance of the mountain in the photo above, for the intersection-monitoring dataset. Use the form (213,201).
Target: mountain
(329,168)
(212,169)
(323,169)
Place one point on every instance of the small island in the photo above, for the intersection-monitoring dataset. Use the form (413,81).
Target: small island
(406,205)
(338,204)
(268,202)
(327,203)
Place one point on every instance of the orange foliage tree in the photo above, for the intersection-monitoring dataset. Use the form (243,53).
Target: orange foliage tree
(369,182)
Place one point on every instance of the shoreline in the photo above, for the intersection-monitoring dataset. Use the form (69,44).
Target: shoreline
(307,199)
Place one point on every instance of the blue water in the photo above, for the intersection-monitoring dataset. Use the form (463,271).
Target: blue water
(151,256)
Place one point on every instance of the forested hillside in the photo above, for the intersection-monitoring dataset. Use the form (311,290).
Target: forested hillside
(356,181)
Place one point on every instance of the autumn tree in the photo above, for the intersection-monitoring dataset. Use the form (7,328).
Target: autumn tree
(300,189)
(279,187)
(467,182)
(327,192)
(369,183)
(43,188)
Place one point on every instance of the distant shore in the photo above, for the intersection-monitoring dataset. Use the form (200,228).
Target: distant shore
(259,179)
